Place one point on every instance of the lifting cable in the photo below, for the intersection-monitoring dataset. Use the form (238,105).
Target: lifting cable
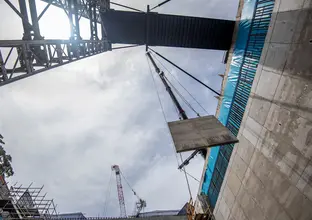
(175,78)
(192,177)
(129,185)
(129,46)
(124,6)
(182,97)
(160,4)
(161,105)
(190,75)
(184,170)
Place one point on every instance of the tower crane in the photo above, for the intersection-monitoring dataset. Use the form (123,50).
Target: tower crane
(121,198)
(139,205)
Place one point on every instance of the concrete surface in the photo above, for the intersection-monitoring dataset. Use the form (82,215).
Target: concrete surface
(270,171)
(199,133)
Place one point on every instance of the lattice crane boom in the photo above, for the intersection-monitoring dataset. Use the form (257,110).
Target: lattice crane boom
(121,198)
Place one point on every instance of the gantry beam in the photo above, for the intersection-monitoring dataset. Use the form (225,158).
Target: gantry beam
(34,54)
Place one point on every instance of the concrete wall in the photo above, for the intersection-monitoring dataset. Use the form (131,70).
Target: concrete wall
(270,171)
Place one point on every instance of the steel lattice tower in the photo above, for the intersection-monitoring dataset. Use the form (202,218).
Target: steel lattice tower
(121,198)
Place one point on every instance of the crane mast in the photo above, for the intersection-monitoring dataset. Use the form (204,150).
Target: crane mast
(121,198)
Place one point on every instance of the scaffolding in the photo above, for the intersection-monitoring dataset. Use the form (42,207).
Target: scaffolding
(19,202)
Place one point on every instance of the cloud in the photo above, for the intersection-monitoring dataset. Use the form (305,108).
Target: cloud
(65,127)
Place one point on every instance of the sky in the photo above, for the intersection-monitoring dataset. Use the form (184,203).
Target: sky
(64,128)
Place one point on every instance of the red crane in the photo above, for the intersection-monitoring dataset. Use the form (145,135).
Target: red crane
(139,205)
(121,198)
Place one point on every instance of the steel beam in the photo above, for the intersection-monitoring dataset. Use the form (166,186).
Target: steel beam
(74,20)
(27,28)
(93,19)
(83,7)
(36,56)
(34,20)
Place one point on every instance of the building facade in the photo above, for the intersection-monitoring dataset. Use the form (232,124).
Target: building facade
(268,175)
(250,38)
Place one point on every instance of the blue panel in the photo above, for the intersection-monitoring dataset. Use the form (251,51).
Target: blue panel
(210,168)
(256,16)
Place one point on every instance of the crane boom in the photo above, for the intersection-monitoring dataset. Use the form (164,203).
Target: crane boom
(121,198)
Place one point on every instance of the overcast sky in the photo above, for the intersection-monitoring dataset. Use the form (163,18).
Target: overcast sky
(65,128)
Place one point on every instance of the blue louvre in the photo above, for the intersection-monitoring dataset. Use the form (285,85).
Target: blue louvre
(253,27)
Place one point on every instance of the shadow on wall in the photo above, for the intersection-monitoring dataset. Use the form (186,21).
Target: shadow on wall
(283,104)
(289,49)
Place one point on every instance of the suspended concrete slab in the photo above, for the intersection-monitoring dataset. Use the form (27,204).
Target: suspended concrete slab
(199,133)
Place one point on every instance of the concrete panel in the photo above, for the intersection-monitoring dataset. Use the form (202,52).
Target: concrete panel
(224,209)
(284,27)
(239,167)
(237,212)
(260,66)
(252,184)
(267,84)
(218,216)
(307,173)
(283,216)
(305,188)
(249,103)
(291,128)
(256,79)
(305,108)
(250,136)
(299,61)
(303,31)
(264,53)
(296,203)
(249,206)
(259,109)
(289,92)
(253,126)
(286,157)
(290,5)
(270,176)
(307,4)
(245,150)
(305,182)
(264,198)
(228,196)
(233,182)
(276,6)
(296,95)
(198,133)
(231,159)
(276,57)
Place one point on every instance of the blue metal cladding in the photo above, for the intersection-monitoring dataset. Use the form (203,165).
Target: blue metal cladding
(253,27)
